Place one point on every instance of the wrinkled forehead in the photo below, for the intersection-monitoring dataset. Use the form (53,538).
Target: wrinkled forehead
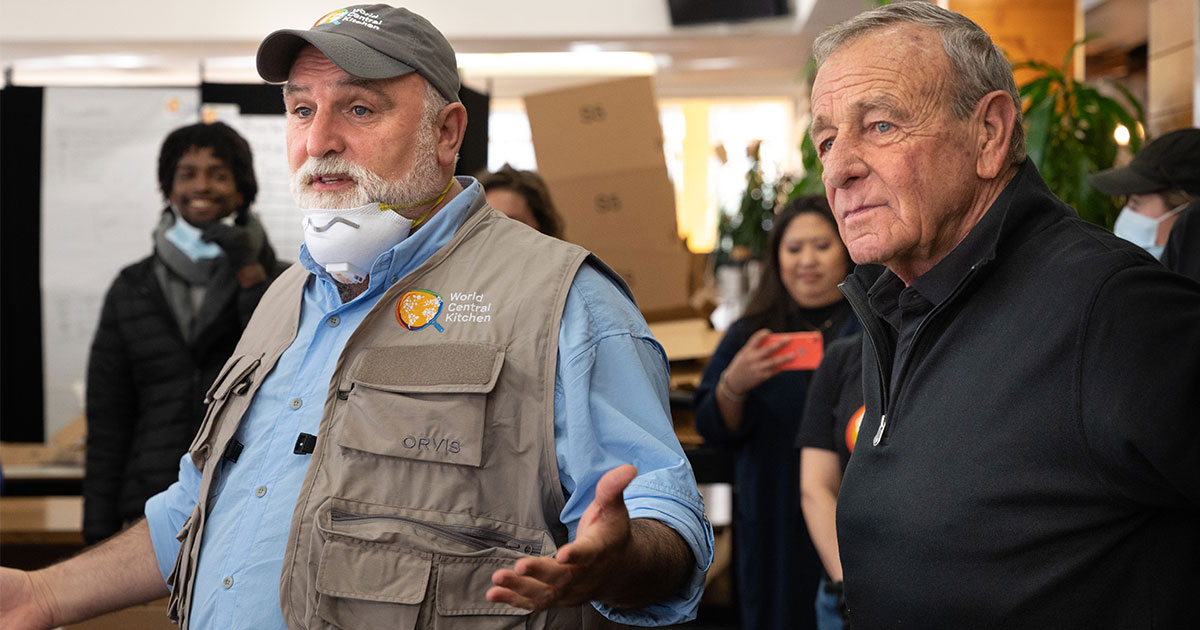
(898,66)
(312,73)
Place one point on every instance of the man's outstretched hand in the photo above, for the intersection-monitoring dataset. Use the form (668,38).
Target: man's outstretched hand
(581,569)
(613,560)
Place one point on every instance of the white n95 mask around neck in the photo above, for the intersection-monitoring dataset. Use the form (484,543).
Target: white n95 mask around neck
(346,242)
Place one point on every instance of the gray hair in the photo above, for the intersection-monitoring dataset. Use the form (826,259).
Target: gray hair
(432,104)
(978,64)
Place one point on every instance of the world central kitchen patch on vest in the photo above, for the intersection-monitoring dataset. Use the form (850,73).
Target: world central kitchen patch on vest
(420,308)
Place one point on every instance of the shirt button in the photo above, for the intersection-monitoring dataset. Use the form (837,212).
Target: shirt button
(334,320)
(297,403)
(227,582)
(260,491)
(393,279)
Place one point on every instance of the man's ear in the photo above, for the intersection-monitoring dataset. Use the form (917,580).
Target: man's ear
(450,127)
(997,116)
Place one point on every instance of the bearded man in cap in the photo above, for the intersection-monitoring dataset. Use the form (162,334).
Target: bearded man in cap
(464,422)
(1026,460)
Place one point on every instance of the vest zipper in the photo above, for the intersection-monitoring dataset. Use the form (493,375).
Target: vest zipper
(474,537)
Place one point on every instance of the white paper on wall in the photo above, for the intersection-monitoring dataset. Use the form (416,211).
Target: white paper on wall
(100,202)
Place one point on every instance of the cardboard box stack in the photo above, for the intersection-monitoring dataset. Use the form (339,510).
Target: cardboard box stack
(600,149)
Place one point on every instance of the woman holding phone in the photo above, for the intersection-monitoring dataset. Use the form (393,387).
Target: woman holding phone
(749,404)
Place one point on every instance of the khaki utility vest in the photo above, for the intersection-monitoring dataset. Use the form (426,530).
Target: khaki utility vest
(435,462)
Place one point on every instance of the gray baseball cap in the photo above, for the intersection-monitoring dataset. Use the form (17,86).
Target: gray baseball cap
(369,41)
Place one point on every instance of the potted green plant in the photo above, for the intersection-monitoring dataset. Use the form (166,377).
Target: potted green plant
(1069,134)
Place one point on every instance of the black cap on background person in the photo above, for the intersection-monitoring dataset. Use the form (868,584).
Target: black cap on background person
(1171,161)
(1160,182)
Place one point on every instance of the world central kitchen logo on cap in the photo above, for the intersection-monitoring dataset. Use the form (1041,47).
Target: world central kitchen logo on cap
(418,309)
(333,17)
(358,16)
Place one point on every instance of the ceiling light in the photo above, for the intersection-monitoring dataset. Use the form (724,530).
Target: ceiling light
(91,62)
(588,63)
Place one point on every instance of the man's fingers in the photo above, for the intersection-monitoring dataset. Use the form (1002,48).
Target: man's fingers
(543,569)
(611,487)
(582,551)
(502,595)
(530,585)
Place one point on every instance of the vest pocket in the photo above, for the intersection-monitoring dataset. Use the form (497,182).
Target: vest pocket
(423,403)
(181,572)
(367,586)
(385,566)
(461,605)
(235,377)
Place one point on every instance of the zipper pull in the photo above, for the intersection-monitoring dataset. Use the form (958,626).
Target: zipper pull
(879,433)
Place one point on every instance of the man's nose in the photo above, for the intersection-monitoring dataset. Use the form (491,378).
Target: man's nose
(324,135)
(202,182)
(842,164)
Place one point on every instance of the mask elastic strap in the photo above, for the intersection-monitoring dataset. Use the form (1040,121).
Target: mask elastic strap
(436,199)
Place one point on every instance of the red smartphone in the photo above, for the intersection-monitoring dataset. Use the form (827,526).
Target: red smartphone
(806,347)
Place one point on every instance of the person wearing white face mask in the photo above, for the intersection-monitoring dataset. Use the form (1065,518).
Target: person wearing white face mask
(434,419)
(1160,181)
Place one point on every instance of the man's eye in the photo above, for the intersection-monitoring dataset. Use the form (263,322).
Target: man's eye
(825,145)
(883,126)
(303,112)
(359,110)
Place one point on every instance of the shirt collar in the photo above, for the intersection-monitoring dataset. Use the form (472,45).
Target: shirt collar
(408,254)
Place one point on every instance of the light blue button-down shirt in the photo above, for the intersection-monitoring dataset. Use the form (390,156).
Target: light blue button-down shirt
(610,408)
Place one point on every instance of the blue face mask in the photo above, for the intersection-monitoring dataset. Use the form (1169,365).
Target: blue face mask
(186,237)
(1142,230)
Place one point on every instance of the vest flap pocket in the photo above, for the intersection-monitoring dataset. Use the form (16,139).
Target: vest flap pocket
(368,586)
(442,428)
(462,583)
(444,368)
(236,373)
(236,377)
(372,572)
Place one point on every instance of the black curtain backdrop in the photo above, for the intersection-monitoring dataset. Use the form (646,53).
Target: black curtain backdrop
(21,406)
(472,156)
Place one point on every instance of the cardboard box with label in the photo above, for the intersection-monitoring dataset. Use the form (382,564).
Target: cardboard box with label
(599,148)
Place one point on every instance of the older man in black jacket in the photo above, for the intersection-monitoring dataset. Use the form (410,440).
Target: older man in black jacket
(1030,452)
